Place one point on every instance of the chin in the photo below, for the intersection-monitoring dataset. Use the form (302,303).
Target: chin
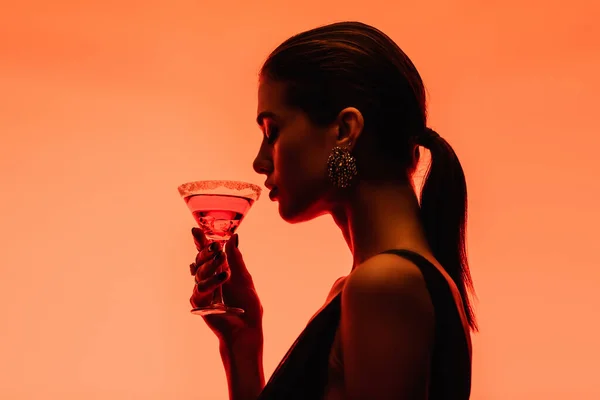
(296,213)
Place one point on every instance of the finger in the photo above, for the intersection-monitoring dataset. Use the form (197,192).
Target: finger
(207,253)
(210,284)
(199,238)
(210,267)
(235,259)
(203,291)
(203,256)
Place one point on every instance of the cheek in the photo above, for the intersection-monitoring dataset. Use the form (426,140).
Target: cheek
(287,164)
(301,174)
(299,165)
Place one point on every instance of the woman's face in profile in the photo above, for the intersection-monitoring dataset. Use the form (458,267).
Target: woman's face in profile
(293,155)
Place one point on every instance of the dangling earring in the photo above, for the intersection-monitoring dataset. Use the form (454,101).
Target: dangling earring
(341,167)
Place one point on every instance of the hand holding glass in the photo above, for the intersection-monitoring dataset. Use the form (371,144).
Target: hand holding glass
(218,208)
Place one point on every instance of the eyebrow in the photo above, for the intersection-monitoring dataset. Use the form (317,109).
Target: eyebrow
(263,115)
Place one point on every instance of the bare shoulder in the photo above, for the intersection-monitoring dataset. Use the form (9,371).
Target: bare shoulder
(388,292)
(386,298)
(386,275)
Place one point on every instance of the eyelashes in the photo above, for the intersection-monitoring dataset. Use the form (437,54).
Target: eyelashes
(271,134)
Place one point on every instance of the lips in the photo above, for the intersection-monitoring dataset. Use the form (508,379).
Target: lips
(272,188)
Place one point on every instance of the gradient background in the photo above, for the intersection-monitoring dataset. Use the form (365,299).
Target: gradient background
(106,108)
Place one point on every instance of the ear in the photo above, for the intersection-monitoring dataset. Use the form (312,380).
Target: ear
(350,124)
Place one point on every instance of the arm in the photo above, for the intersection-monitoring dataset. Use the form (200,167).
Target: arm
(387,329)
(243,364)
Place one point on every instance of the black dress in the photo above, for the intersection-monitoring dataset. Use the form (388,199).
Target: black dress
(302,374)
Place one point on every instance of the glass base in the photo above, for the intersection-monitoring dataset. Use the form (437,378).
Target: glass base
(215,309)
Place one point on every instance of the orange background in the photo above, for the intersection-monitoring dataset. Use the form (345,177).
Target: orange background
(105,108)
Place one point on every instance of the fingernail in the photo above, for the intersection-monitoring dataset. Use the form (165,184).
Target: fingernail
(195,231)
(212,247)
(222,276)
(193,268)
(237,241)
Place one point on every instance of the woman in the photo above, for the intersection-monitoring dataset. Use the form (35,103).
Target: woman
(343,113)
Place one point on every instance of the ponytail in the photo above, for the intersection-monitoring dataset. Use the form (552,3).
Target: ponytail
(444,215)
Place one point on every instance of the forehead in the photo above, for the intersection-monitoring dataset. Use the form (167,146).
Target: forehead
(270,97)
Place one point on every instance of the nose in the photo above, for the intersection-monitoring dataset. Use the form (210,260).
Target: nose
(263,164)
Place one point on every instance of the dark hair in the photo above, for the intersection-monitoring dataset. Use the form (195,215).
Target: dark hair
(351,64)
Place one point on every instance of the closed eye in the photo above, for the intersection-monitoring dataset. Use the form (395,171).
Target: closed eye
(271,133)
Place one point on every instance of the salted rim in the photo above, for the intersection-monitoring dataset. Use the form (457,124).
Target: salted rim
(236,188)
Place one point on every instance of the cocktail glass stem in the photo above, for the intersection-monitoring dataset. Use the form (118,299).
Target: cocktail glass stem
(217,300)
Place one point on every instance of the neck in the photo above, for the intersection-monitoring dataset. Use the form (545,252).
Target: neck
(380,216)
